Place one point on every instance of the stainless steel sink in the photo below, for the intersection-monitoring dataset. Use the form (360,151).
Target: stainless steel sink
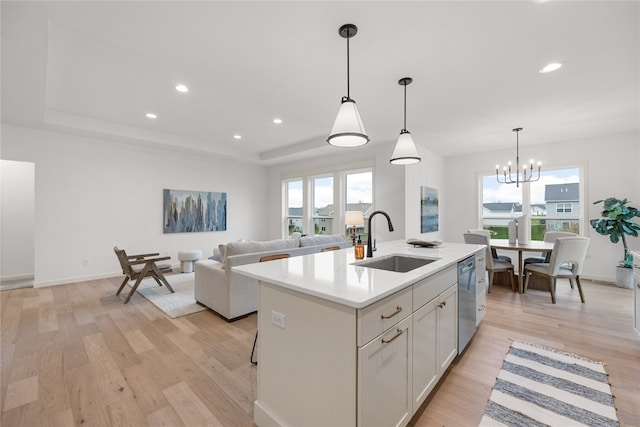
(397,263)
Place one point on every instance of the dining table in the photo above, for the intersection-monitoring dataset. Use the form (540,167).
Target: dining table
(530,246)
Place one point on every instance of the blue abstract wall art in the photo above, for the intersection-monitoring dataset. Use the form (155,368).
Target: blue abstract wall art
(428,210)
(187,211)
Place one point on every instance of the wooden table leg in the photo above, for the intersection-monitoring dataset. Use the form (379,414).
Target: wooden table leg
(520,284)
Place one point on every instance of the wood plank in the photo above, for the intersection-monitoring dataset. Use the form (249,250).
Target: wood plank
(189,407)
(51,374)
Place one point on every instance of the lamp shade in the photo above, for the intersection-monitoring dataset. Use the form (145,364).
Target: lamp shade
(405,152)
(352,218)
(348,130)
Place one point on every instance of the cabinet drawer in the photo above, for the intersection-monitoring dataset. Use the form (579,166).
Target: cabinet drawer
(377,318)
(427,289)
(481,307)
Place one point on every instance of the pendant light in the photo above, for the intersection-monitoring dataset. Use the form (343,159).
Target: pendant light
(348,130)
(405,152)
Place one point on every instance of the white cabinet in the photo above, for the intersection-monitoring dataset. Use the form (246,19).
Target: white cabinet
(329,364)
(434,342)
(481,286)
(384,378)
(447,331)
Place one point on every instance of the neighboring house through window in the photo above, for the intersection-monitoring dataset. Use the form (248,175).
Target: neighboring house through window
(554,203)
(329,194)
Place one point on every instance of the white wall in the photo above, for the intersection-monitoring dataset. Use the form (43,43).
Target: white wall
(611,169)
(388,181)
(17,218)
(91,195)
(428,173)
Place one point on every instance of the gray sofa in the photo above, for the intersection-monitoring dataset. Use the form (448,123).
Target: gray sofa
(233,295)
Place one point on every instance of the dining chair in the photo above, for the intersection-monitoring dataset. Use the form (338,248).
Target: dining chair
(494,253)
(549,236)
(263,259)
(567,260)
(493,265)
(137,267)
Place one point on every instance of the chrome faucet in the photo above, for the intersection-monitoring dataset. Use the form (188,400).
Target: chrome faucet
(369,247)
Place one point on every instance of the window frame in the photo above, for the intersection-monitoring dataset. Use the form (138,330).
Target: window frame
(551,217)
(339,175)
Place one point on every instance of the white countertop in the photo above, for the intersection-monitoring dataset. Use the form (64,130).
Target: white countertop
(335,275)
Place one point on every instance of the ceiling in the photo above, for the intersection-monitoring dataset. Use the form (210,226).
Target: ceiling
(95,68)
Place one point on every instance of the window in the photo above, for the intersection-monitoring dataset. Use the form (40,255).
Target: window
(359,197)
(323,205)
(328,196)
(554,203)
(293,197)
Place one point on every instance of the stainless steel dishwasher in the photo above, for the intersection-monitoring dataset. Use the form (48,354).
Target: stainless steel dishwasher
(466,302)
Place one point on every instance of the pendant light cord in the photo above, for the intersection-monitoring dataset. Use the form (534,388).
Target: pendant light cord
(348,36)
(405,107)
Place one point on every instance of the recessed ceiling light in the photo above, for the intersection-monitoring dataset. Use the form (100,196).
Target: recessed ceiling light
(182,88)
(237,136)
(277,121)
(551,67)
(151,116)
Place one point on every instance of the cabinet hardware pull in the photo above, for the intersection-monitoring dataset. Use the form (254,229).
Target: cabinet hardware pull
(481,259)
(482,308)
(481,280)
(399,332)
(398,310)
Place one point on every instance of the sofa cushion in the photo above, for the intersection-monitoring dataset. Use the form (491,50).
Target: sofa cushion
(321,239)
(247,247)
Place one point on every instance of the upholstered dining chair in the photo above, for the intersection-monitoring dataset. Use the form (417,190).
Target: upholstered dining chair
(567,259)
(549,236)
(493,265)
(255,340)
(494,253)
(137,267)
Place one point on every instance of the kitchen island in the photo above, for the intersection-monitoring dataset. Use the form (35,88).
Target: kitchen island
(342,344)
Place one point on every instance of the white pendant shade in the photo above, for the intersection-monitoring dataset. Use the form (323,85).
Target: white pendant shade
(405,152)
(348,130)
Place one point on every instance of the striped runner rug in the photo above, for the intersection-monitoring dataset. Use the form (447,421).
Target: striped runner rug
(541,386)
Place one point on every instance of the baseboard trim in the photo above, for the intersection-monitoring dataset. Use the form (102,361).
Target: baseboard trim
(19,277)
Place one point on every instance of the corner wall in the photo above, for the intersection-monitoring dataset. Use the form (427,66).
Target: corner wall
(93,194)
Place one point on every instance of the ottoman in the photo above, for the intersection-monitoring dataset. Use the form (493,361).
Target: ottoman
(187,258)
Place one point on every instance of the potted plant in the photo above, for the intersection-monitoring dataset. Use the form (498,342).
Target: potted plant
(617,222)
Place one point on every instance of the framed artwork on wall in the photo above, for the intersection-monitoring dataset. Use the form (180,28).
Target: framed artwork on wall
(187,211)
(428,210)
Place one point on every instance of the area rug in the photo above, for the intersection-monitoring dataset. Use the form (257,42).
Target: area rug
(541,386)
(177,304)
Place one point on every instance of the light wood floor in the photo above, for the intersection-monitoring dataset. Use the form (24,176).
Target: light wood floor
(74,354)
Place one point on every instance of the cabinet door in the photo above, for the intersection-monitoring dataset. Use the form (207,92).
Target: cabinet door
(425,359)
(481,307)
(384,378)
(447,327)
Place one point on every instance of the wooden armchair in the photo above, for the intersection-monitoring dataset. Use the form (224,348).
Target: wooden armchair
(137,267)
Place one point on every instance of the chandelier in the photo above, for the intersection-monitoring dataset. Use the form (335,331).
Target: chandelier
(509,177)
